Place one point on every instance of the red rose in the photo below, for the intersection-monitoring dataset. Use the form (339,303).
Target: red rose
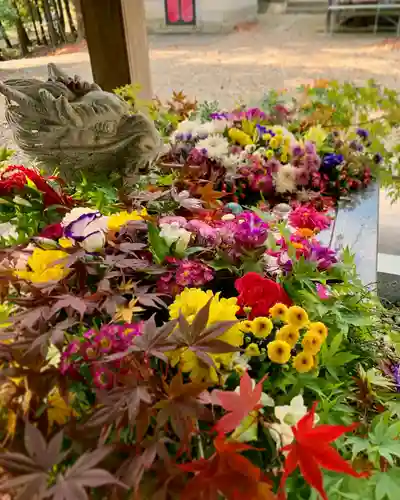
(260,294)
(52,231)
(11,178)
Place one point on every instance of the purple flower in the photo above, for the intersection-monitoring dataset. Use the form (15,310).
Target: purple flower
(255,113)
(87,227)
(261,129)
(251,231)
(325,257)
(363,133)
(332,160)
(297,150)
(378,158)
(310,148)
(396,375)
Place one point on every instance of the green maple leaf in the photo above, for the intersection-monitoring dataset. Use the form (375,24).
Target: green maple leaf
(388,485)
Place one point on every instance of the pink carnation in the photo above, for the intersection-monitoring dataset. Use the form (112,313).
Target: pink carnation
(308,217)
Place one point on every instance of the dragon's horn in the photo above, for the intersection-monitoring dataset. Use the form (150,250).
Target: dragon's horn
(15,95)
(56,73)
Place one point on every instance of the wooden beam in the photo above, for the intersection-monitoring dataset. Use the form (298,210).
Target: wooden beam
(116,35)
(137,46)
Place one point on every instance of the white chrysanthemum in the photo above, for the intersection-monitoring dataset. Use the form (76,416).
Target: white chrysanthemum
(221,125)
(186,130)
(232,161)
(285,179)
(205,129)
(217,146)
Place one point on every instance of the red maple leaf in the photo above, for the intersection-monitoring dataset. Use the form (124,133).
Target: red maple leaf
(226,473)
(311,450)
(238,404)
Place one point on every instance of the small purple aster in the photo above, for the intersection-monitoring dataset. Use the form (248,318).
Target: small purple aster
(363,133)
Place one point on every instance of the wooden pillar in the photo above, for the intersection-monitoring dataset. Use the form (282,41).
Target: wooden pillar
(117,42)
(136,41)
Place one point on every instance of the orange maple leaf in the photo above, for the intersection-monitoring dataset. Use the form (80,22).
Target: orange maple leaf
(227,473)
(209,196)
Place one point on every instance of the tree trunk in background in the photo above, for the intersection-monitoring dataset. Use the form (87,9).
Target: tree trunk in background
(23,38)
(4,36)
(60,11)
(30,9)
(79,19)
(40,19)
(62,37)
(50,26)
(70,19)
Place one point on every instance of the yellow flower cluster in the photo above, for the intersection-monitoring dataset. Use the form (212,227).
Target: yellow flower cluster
(288,336)
(275,143)
(116,221)
(44,266)
(189,303)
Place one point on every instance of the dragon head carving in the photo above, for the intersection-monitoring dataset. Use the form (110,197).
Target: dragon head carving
(76,126)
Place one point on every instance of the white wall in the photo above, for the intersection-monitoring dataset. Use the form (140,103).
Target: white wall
(211,15)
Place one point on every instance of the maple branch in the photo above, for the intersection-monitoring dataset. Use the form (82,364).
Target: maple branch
(199,441)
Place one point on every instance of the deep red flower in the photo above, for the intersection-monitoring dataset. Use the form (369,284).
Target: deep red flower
(16,177)
(52,231)
(311,450)
(10,181)
(260,294)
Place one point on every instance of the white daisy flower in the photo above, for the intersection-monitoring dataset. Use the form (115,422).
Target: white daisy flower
(216,146)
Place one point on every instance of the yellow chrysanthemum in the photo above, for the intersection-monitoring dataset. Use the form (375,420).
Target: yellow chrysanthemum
(289,334)
(267,137)
(312,343)
(43,268)
(246,326)
(320,329)
(252,350)
(269,154)
(279,352)
(261,327)
(284,157)
(116,221)
(240,137)
(189,303)
(279,311)
(275,142)
(297,316)
(303,362)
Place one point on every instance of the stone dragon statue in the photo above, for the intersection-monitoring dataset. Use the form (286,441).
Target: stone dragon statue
(77,127)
